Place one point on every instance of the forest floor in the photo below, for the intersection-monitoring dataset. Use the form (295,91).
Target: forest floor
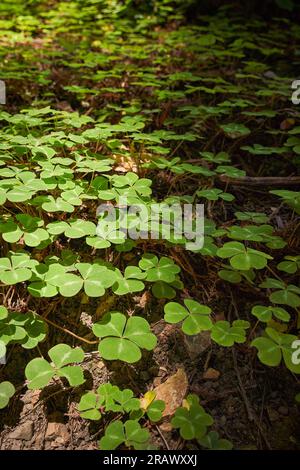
(180,93)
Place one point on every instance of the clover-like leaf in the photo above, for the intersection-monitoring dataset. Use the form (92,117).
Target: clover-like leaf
(195,317)
(122,338)
(226,335)
(274,346)
(128,282)
(34,327)
(212,441)
(96,278)
(110,398)
(265,314)
(89,406)
(155,410)
(192,420)
(214,194)
(39,372)
(2,349)
(256,217)
(135,434)
(290,265)
(124,401)
(150,407)
(114,436)
(7,390)
(235,130)
(285,295)
(3,312)
(131,433)
(16,269)
(57,205)
(242,258)
(162,290)
(63,354)
(163,269)
(79,228)
(73,374)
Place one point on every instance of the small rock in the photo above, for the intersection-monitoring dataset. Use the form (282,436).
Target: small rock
(23,432)
(283,410)
(57,432)
(172,391)
(211,374)
(197,344)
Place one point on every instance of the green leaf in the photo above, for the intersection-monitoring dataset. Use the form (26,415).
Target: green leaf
(38,372)
(3,312)
(119,349)
(123,401)
(57,205)
(2,349)
(36,237)
(285,297)
(269,352)
(165,270)
(69,284)
(226,335)
(125,285)
(274,346)
(213,442)
(231,276)
(235,130)
(96,278)
(79,228)
(162,290)
(7,390)
(135,434)
(155,410)
(195,317)
(114,436)
(122,338)
(192,422)
(264,314)
(89,406)
(73,374)
(242,258)
(63,354)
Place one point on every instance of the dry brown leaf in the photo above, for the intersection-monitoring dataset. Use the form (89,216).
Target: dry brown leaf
(172,391)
